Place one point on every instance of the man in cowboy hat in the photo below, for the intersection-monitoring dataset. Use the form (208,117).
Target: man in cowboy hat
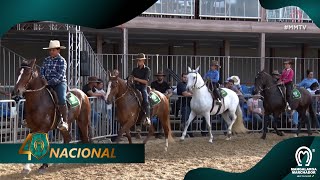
(286,79)
(213,76)
(141,76)
(54,71)
(90,88)
(275,75)
(161,85)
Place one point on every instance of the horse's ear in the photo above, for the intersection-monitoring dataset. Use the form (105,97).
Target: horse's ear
(189,69)
(109,73)
(197,69)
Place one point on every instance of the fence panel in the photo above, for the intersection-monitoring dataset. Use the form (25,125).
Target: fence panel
(287,14)
(172,7)
(248,9)
(7,121)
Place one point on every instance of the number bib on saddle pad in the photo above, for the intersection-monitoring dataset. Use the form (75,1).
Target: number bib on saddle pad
(72,100)
(223,93)
(296,94)
(154,99)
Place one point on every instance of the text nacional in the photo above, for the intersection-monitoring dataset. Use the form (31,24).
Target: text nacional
(82,153)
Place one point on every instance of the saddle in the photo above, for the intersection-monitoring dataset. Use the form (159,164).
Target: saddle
(72,100)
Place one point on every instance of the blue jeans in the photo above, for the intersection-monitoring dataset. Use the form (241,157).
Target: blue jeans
(143,90)
(295,118)
(185,112)
(257,117)
(61,90)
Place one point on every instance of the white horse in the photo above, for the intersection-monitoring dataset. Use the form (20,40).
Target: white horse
(202,102)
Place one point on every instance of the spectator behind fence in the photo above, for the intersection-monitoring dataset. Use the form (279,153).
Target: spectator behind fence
(255,108)
(313,88)
(308,81)
(163,87)
(184,101)
(230,85)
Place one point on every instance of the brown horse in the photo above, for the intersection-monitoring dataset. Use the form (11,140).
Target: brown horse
(41,109)
(128,102)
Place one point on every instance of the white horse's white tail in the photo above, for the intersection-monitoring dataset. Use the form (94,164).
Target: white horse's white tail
(238,126)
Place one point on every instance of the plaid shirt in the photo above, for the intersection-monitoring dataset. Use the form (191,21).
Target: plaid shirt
(54,70)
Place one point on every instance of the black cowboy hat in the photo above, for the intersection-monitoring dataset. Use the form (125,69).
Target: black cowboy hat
(93,79)
(160,73)
(140,56)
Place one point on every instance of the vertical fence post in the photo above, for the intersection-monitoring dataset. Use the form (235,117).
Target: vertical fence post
(295,69)
(227,67)
(157,55)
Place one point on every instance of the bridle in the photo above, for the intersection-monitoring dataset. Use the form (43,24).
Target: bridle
(260,89)
(31,77)
(194,85)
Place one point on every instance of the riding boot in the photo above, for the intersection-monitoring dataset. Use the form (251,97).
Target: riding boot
(217,95)
(63,125)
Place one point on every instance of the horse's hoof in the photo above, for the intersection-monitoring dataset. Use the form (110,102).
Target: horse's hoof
(166,149)
(263,137)
(295,135)
(210,141)
(25,171)
(181,139)
(228,138)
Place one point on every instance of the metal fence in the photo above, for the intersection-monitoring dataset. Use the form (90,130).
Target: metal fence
(172,8)
(248,9)
(287,14)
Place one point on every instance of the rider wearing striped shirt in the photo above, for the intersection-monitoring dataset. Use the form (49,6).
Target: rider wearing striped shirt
(286,79)
(54,71)
(213,76)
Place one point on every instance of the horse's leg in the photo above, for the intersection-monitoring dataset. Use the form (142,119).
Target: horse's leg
(265,125)
(150,133)
(207,117)
(129,136)
(230,122)
(191,117)
(309,125)
(302,120)
(275,124)
(27,168)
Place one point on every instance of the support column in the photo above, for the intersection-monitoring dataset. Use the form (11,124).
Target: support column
(99,47)
(271,61)
(262,50)
(225,51)
(226,47)
(125,51)
(304,49)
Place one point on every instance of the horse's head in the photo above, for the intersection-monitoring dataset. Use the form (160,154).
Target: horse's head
(260,82)
(113,87)
(25,78)
(194,78)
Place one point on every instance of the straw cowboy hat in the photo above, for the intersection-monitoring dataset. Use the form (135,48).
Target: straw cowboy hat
(93,79)
(257,96)
(215,63)
(236,80)
(54,44)
(140,56)
(160,73)
(288,62)
(275,72)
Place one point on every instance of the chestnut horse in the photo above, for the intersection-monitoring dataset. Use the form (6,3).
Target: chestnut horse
(128,102)
(40,106)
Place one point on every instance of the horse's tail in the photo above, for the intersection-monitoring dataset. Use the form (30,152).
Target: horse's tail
(167,121)
(238,126)
(312,115)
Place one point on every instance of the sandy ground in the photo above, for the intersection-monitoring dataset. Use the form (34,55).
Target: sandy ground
(237,155)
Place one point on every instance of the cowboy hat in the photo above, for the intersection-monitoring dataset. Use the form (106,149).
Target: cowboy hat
(160,73)
(140,56)
(93,79)
(54,44)
(257,95)
(275,72)
(288,62)
(236,80)
(215,63)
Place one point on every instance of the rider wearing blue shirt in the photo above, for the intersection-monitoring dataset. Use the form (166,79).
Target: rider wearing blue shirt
(307,82)
(213,76)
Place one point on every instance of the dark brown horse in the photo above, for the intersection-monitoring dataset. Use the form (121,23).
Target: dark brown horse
(128,102)
(41,110)
(273,103)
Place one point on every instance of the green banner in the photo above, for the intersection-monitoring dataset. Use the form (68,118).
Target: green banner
(36,149)
(295,158)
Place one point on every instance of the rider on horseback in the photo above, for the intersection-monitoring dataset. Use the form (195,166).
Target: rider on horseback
(54,71)
(286,80)
(141,76)
(213,77)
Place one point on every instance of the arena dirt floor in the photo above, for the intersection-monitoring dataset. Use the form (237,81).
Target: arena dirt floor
(237,155)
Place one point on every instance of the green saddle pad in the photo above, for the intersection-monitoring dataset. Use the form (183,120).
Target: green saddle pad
(72,100)
(296,94)
(223,93)
(154,99)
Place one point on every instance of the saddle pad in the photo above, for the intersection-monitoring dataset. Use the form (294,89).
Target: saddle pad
(154,99)
(296,94)
(223,93)
(72,100)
